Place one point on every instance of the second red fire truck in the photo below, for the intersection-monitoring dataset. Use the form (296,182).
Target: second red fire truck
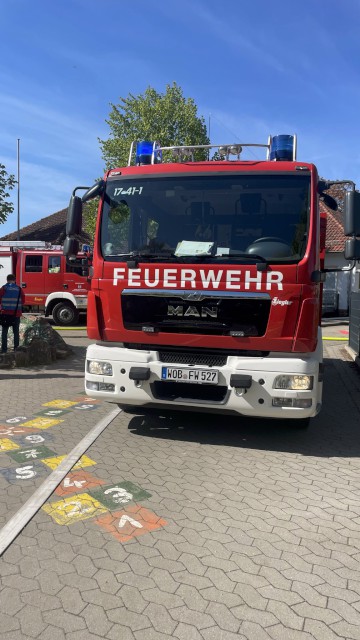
(52,284)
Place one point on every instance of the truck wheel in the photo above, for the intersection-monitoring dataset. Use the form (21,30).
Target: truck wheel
(65,314)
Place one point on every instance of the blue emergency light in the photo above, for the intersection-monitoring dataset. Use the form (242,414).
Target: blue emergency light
(144,151)
(148,152)
(282,148)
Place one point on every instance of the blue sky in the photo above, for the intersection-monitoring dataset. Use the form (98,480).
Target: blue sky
(254,68)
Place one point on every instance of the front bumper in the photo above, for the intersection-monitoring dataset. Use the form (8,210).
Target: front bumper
(150,391)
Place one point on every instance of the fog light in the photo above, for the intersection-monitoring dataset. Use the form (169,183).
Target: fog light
(299,403)
(295,383)
(103,386)
(94,386)
(99,368)
(282,402)
(303,403)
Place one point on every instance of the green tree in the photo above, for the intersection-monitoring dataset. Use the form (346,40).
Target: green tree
(7,182)
(167,117)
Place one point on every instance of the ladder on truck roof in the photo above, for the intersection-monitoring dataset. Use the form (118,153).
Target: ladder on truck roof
(7,245)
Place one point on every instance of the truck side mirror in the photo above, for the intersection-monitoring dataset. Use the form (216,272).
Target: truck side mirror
(71,247)
(94,191)
(352,213)
(74,217)
(352,249)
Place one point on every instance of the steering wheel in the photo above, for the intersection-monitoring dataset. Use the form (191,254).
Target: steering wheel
(269,239)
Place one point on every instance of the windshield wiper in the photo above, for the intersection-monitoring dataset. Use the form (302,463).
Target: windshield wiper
(239,254)
(137,256)
(229,256)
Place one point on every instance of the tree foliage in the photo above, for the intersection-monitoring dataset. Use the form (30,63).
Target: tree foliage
(168,117)
(7,182)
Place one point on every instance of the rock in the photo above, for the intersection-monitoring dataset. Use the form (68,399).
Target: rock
(39,352)
(21,357)
(39,344)
(7,360)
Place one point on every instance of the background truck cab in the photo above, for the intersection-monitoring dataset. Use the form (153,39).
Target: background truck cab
(52,284)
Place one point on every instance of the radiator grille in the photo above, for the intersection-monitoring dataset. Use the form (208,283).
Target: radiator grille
(206,359)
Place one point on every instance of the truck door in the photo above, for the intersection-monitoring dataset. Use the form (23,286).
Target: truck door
(73,278)
(53,273)
(32,278)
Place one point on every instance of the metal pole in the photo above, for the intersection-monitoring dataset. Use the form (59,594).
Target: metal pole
(18,188)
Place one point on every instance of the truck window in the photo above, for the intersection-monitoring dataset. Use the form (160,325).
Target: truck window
(33,264)
(54,264)
(233,211)
(75,266)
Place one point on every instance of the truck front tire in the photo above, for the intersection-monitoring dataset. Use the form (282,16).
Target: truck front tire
(65,314)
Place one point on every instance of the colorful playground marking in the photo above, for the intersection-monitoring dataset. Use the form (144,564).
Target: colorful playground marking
(78,507)
(130,523)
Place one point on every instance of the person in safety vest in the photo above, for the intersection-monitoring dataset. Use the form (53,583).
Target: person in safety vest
(11,300)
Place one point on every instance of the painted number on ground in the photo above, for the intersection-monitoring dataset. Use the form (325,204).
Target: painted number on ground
(78,481)
(117,495)
(130,523)
(53,413)
(78,507)
(24,472)
(32,453)
(60,404)
(41,423)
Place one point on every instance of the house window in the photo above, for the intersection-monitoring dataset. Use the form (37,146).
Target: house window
(33,264)
(54,264)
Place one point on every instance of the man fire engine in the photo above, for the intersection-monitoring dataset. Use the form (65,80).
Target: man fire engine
(206,281)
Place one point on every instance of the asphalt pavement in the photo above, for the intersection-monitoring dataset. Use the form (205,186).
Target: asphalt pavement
(178,525)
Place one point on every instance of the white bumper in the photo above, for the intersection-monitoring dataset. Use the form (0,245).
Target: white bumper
(223,397)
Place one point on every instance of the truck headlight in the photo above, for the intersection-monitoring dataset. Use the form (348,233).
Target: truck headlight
(294,383)
(99,368)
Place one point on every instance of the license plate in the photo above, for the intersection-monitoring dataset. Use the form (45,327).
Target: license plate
(203,376)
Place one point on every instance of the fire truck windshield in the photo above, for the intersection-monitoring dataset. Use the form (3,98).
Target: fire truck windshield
(264,215)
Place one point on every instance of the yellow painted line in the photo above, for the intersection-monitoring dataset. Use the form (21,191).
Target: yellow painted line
(70,328)
(337,339)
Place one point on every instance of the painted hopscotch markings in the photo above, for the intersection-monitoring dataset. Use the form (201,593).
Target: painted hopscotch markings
(35,438)
(114,496)
(8,445)
(21,518)
(14,431)
(24,472)
(41,423)
(78,507)
(59,404)
(78,480)
(17,420)
(86,406)
(130,523)
(54,462)
(52,413)
(87,399)
(32,453)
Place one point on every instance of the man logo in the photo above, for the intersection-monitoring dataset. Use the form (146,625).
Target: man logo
(191,311)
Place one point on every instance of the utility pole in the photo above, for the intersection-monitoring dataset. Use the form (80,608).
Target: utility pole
(18,188)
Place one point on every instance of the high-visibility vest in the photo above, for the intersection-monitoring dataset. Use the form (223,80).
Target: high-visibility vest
(10,298)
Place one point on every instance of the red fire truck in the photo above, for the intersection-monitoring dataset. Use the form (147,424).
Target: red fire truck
(52,284)
(206,281)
